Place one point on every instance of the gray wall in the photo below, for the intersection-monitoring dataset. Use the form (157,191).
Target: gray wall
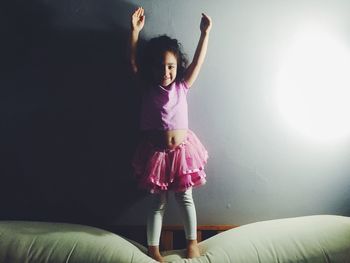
(260,167)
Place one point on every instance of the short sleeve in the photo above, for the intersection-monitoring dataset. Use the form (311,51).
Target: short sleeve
(184,86)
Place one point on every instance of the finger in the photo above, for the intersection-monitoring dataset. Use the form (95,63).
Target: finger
(142,11)
(139,11)
(206,17)
(204,20)
(135,12)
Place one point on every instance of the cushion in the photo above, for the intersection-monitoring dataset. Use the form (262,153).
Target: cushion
(321,238)
(40,242)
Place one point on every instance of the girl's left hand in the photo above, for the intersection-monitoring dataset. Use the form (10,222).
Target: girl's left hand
(206,23)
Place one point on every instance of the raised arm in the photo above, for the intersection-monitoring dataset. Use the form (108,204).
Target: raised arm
(137,23)
(193,69)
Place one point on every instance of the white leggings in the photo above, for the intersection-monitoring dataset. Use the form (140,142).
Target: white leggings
(155,216)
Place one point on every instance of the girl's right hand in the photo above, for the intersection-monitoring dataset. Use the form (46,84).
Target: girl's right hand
(206,23)
(138,19)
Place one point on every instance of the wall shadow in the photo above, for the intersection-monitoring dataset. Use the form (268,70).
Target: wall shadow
(69,112)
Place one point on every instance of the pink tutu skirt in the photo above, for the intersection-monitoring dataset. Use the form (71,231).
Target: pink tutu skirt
(175,169)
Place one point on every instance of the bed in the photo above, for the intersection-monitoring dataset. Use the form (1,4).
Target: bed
(318,238)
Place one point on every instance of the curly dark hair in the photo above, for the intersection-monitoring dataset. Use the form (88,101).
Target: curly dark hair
(152,52)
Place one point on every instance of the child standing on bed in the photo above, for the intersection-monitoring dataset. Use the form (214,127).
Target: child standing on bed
(170,157)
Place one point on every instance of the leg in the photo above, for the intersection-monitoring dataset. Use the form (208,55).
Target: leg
(189,217)
(154,224)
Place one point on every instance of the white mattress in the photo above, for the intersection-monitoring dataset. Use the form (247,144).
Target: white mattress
(316,239)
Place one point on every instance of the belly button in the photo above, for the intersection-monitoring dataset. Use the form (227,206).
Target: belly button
(171,143)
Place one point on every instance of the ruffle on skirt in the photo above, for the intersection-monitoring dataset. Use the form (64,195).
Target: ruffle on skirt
(177,169)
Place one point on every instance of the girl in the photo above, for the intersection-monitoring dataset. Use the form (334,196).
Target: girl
(170,157)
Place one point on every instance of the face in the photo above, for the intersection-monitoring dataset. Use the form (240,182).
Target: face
(165,73)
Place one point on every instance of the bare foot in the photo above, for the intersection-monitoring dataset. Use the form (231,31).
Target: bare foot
(192,249)
(153,252)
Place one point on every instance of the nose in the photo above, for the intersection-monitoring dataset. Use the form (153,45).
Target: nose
(165,71)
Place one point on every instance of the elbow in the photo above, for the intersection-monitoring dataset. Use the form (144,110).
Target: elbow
(134,69)
(198,62)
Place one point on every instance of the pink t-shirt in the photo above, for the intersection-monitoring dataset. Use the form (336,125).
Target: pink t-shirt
(165,109)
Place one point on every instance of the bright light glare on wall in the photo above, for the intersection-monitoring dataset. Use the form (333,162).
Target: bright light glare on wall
(313,85)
